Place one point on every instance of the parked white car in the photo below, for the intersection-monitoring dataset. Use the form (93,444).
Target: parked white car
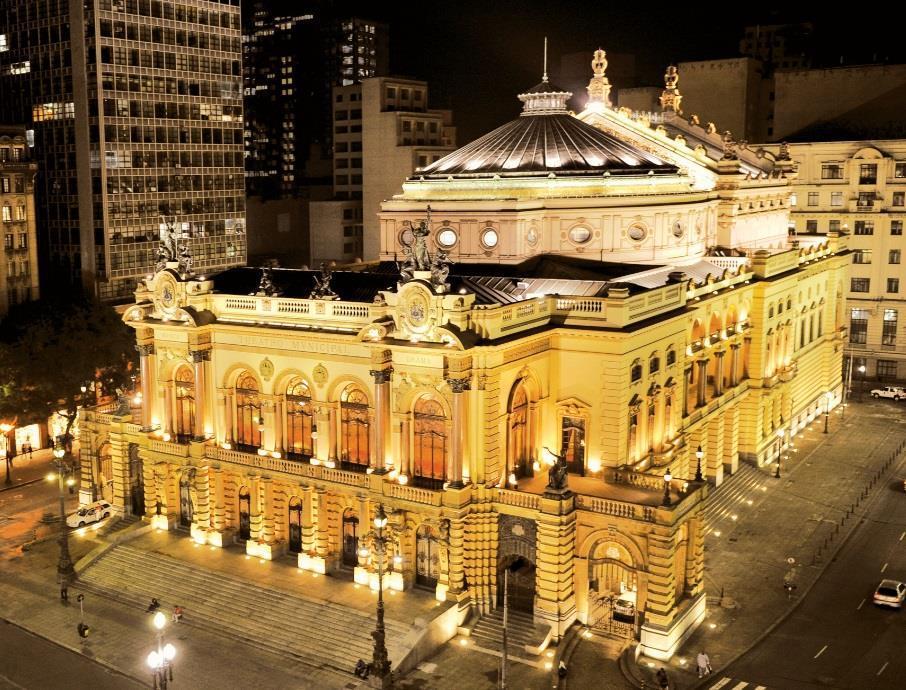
(93,512)
(890,593)
(895,392)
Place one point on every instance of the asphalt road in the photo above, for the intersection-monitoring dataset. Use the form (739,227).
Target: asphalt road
(31,662)
(837,638)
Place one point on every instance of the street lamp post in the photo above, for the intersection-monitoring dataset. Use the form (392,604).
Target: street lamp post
(380,664)
(699,454)
(861,380)
(667,479)
(779,452)
(827,402)
(160,661)
(6,429)
(65,569)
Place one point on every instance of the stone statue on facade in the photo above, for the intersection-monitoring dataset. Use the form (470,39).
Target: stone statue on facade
(186,262)
(729,146)
(323,290)
(557,475)
(440,269)
(266,285)
(167,250)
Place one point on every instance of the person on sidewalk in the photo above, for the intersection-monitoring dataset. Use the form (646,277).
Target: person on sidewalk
(177,614)
(704,664)
(662,681)
(153,606)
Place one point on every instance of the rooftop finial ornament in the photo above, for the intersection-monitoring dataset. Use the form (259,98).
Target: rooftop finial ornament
(170,252)
(544,74)
(266,285)
(599,86)
(671,98)
(322,289)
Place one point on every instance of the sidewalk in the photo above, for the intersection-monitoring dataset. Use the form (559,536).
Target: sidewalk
(24,471)
(803,515)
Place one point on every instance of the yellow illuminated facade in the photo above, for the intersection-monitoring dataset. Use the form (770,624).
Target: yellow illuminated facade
(536,404)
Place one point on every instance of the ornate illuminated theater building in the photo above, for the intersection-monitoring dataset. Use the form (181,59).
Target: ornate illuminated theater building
(567,310)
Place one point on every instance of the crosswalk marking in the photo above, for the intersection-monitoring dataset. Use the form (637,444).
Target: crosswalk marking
(719,684)
(739,684)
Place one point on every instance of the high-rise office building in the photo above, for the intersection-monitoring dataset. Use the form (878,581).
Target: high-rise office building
(134,109)
(18,258)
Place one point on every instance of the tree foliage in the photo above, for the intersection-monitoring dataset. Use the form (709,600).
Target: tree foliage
(50,349)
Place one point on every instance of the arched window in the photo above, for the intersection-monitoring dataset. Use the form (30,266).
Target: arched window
(635,372)
(354,429)
(654,364)
(671,356)
(519,444)
(299,417)
(430,440)
(248,413)
(185,404)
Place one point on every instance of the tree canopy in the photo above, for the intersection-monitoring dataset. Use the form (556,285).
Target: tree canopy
(52,348)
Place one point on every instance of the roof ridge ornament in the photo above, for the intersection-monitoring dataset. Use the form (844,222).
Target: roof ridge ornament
(544,74)
(323,289)
(170,254)
(419,262)
(599,86)
(671,97)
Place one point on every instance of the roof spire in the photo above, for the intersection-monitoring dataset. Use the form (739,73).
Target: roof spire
(544,76)
(599,86)
(671,97)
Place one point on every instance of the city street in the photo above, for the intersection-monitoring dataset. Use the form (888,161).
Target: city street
(837,637)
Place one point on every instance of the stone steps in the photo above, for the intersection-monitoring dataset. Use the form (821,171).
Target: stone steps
(318,632)
(731,497)
(521,632)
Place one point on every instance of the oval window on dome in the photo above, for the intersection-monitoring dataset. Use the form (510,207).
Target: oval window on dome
(580,234)
(489,238)
(406,236)
(678,229)
(637,232)
(532,236)
(446,238)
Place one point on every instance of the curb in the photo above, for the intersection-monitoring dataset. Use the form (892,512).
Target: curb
(21,484)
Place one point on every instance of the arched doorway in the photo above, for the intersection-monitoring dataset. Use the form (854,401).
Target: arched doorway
(104,474)
(516,575)
(612,589)
(245,509)
(519,442)
(136,480)
(350,538)
(186,504)
(295,525)
(427,558)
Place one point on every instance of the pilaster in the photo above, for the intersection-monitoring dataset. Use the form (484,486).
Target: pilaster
(555,597)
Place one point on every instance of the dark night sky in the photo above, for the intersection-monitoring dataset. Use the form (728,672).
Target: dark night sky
(477,56)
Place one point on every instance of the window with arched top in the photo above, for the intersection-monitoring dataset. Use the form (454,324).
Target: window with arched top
(635,371)
(654,364)
(184,384)
(248,412)
(671,356)
(299,420)
(355,429)
(518,441)
(429,443)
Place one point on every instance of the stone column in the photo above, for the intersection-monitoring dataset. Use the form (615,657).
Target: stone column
(555,598)
(218,516)
(146,352)
(308,529)
(279,421)
(714,460)
(701,396)
(404,444)
(661,600)
(267,511)
(255,513)
(734,364)
(322,546)
(456,563)
(330,419)
(688,382)
(203,493)
(695,558)
(458,440)
(719,371)
(381,418)
(199,357)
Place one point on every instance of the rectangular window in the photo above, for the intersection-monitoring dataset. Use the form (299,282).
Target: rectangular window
(868,173)
(811,226)
(862,256)
(391,92)
(899,198)
(23,241)
(893,256)
(4,185)
(896,227)
(893,285)
(7,213)
(813,198)
(859,284)
(836,198)
(887,368)
(8,242)
(834,226)
(899,171)
(858,326)
(889,330)
(831,171)
(865,227)
(866,199)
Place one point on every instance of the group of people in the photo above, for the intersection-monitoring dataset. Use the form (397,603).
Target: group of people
(155,606)
(702,660)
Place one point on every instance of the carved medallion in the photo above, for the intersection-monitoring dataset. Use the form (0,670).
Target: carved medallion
(266,368)
(320,374)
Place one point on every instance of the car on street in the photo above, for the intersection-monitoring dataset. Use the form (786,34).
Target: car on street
(890,593)
(93,512)
(895,392)
(624,609)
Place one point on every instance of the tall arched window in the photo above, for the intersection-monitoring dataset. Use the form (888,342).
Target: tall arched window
(299,417)
(248,413)
(185,404)
(354,429)
(430,440)
(519,444)
(635,371)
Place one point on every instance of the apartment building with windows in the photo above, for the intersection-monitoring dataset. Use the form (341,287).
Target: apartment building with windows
(135,113)
(860,187)
(19,262)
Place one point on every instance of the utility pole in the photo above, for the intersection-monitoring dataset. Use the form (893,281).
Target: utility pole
(506,584)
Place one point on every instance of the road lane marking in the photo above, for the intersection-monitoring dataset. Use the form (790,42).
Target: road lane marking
(820,652)
(885,567)
(719,684)
(902,536)
(860,605)
(882,668)
(740,686)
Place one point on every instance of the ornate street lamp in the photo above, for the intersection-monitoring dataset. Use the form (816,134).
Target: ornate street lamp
(65,569)
(667,479)
(380,664)
(5,429)
(160,660)
(699,454)
(779,453)
(827,402)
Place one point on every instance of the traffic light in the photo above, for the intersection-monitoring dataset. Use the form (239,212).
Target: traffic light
(82,629)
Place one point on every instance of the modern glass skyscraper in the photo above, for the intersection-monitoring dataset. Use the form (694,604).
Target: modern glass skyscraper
(134,109)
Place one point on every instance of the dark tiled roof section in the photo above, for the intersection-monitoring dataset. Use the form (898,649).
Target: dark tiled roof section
(542,144)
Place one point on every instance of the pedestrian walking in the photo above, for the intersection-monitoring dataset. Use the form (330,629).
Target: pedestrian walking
(662,681)
(704,664)
(64,593)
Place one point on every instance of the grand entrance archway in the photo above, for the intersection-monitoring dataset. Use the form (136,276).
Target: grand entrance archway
(516,577)
(350,538)
(612,590)
(136,481)
(427,557)
(295,524)
(245,510)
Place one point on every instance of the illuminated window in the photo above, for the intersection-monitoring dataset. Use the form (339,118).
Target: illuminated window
(248,412)
(354,429)
(185,404)
(580,234)
(489,238)
(299,420)
(430,443)
(446,238)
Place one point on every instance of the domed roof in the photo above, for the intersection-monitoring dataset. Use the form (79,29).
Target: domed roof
(546,139)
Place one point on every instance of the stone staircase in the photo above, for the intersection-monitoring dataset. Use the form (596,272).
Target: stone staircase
(317,632)
(523,636)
